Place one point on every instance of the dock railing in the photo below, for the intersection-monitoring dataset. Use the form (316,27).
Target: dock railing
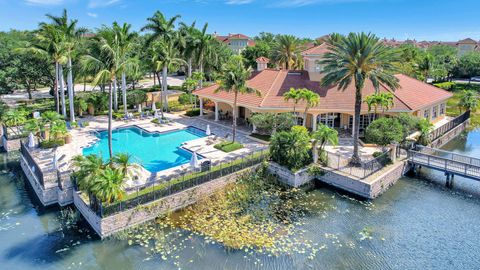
(157,190)
(362,170)
(442,130)
(31,163)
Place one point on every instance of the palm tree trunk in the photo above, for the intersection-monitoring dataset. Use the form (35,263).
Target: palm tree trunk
(115,96)
(234,114)
(55,89)
(70,90)
(110,101)
(62,91)
(356,125)
(201,71)
(154,79)
(189,67)
(165,87)
(305,117)
(124,92)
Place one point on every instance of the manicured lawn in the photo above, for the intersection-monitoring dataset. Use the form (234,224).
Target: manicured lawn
(228,146)
(454,110)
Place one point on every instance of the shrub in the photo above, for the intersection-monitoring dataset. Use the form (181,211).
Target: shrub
(193,112)
(186,98)
(228,146)
(136,97)
(155,121)
(175,106)
(445,85)
(291,148)
(118,115)
(384,131)
(175,87)
(408,122)
(267,123)
(52,143)
(377,154)
(315,170)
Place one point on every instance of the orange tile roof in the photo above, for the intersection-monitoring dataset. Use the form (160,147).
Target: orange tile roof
(272,84)
(262,59)
(317,50)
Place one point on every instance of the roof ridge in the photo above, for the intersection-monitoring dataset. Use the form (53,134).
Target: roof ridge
(271,87)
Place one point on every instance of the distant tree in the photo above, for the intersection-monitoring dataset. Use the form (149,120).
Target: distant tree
(468,65)
(468,100)
(286,52)
(250,54)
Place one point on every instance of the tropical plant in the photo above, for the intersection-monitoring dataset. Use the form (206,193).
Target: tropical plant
(468,100)
(14,119)
(287,52)
(293,94)
(425,66)
(234,79)
(311,99)
(291,148)
(81,105)
(425,128)
(204,46)
(108,186)
(86,170)
(136,97)
(189,34)
(122,161)
(189,85)
(355,59)
(70,34)
(321,137)
(269,123)
(384,131)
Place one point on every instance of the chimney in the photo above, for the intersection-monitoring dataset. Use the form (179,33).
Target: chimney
(262,63)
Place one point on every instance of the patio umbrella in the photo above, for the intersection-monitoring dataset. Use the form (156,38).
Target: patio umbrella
(140,108)
(54,162)
(154,107)
(208,130)
(155,115)
(194,160)
(31,140)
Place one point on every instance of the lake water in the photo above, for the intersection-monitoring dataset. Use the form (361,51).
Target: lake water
(417,224)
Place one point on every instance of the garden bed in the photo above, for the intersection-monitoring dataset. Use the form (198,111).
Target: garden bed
(228,147)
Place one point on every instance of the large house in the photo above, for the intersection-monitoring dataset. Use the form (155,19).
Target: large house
(336,107)
(236,42)
(463,46)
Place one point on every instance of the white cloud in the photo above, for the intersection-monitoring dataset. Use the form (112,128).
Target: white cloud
(44,2)
(102,3)
(93,15)
(301,3)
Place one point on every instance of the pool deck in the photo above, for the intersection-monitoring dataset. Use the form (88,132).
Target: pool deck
(84,137)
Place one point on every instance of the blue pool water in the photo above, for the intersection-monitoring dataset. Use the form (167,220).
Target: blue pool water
(156,151)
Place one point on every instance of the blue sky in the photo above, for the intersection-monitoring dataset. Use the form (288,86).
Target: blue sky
(447,20)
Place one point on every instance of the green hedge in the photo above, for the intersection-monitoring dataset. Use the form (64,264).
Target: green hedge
(193,112)
(52,143)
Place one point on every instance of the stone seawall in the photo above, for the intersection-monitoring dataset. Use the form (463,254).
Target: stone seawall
(146,212)
(370,187)
(294,179)
(10,145)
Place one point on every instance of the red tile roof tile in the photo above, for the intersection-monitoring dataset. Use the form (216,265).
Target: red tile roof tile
(317,50)
(262,59)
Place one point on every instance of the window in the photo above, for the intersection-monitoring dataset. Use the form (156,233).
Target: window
(318,67)
(434,112)
(365,120)
(426,114)
(442,109)
(327,119)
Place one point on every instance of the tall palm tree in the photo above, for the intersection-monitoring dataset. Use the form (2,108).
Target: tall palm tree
(293,94)
(166,57)
(234,79)
(203,48)
(107,64)
(311,99)
(50,43)
(286,51)
(354,59)
(71,34)
(161,27)
(125,45)
(189,35)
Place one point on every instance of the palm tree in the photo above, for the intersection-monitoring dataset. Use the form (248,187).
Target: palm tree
(382,100)
(321,137)
(292,94)
(203,48)
(125,44)
(355,59)
(107,65)
(109,185)
(190,84)
(189,34)
(311,99)
(468,100)
(425,66)
(161,27)
(122,161)
(234,79)
(286,51)
(166,57)
(87,170)
(70,34)
(50,43)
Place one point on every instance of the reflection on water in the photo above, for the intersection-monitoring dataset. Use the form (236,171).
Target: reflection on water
(417,224)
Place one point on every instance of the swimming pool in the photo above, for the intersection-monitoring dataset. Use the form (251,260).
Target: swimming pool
(156,151)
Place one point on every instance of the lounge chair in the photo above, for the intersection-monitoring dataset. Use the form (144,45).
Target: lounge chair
(69,126)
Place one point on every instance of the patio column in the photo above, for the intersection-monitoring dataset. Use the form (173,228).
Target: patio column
(254,128)
(201,106)
(216,110)
(353,125)
(314,122)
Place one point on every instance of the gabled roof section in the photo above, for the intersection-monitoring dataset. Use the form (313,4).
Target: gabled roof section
(317,50)
(467,41)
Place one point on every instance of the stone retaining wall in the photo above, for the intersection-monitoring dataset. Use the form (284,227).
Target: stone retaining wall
(286,176)
(143,213)
(47,196)
(10,145)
